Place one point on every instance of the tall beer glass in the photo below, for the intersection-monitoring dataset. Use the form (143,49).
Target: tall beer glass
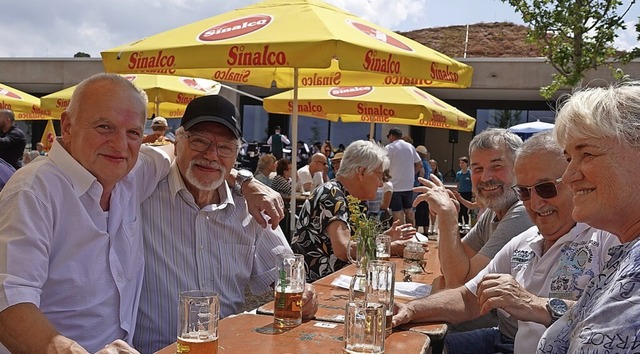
(289,286)
(198,322)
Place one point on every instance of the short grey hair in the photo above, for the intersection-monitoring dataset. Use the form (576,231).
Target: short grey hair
(541,143)
(496,139)
(598,112)
(7,113)
(363,153)
(73,110)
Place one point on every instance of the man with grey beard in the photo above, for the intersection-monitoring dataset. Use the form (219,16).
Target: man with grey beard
(198,233)
(492,155)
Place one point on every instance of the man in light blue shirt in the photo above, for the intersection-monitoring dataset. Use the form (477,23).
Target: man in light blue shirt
(198,233)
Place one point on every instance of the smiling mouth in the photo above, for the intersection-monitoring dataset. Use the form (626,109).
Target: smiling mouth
(583,192)
(545,213)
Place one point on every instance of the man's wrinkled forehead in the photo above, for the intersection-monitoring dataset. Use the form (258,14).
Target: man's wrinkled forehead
(479,157)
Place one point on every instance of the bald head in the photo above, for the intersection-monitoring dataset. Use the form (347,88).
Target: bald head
(318,163)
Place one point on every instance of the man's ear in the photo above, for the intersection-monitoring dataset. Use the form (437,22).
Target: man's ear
(65,126)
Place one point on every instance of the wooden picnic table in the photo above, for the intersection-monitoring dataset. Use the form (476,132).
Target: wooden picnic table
(332,299)
(249,333)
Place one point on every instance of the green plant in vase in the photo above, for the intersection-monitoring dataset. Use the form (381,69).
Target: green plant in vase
(365,230)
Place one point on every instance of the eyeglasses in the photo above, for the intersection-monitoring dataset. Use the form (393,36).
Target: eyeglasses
(201,144)
(546,190)
(322,162)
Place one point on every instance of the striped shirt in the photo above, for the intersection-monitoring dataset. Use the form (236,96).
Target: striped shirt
(219,247)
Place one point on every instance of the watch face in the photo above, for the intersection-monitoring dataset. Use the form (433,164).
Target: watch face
(245,174)
(558,306)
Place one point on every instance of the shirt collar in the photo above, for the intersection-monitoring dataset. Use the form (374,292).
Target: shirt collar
(81,179)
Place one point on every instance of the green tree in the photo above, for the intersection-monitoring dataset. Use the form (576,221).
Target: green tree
(504,118)
(81,55)
(574,35)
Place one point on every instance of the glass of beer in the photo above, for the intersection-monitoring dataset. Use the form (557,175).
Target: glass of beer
(364,327)
(381,276)
(289,286)
(198,322)
(383,247)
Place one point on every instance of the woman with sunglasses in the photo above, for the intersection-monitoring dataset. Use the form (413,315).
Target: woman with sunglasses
(599,130)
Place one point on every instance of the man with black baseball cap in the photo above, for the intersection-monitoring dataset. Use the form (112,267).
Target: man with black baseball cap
(198,233)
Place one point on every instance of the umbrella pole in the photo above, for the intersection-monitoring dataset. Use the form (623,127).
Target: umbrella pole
(372,131)
(294,153)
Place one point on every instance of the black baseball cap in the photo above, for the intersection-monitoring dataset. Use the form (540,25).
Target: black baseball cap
(212,108)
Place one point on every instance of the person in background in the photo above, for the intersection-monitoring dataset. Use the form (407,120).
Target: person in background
(281,182)
(404,164)
(303,154)
(422,209)
(336,160)
(379,207)
(193,211)
(266,166)
(159,127)
(29,156)
(40,149)
(435,170)
(278,141)
(549,263)
(323,227)
(464,188)
(314,174)
(12,139)
(598,129)
(6,171)
(91,243)
(327,150)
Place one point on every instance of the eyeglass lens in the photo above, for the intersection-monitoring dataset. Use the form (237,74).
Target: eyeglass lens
(545,190)
(201,144)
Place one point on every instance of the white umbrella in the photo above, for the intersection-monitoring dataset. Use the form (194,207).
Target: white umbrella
(530,127)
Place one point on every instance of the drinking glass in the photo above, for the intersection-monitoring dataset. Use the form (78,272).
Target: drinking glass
(364,327)
(381,276)
(383,247)
(198,322)
(289,286)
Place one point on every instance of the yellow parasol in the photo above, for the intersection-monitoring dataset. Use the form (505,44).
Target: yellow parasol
(273,39)
(168,95)
(48,136)
(23,105)
(263,43)
(389,105)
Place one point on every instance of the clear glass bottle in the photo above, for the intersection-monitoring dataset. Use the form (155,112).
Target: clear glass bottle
(413,255)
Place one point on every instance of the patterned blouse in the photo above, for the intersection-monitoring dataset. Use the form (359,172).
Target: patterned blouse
(327,203)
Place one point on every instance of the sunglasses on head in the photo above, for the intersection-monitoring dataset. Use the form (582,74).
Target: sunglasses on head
(546,190)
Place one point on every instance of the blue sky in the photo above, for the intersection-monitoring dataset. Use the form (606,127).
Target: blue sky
(61,28)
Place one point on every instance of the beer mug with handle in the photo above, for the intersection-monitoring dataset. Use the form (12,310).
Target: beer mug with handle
(198,322)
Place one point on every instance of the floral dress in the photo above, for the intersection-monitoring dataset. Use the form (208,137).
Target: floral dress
(327,203)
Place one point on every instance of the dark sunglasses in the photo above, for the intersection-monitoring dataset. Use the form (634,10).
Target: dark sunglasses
(546,190)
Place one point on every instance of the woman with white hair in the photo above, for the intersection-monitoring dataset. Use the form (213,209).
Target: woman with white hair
(323,228)
(599,130)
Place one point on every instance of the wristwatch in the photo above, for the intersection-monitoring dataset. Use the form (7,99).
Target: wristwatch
(556,308)
(241,177)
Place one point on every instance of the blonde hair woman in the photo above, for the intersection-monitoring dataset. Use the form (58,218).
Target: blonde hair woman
(266,165)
